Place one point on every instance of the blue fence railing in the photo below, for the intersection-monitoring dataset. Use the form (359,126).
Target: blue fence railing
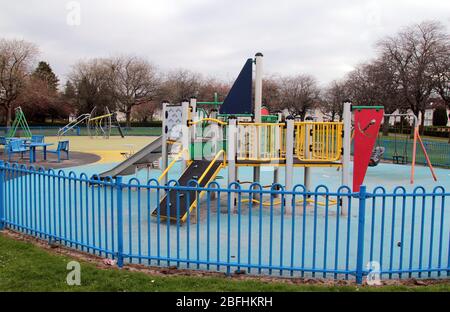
(339,235)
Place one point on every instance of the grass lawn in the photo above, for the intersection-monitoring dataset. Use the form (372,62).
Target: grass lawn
(26,267)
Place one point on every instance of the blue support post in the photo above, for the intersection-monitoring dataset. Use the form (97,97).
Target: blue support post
(119,188)
(2,196)
(360,248)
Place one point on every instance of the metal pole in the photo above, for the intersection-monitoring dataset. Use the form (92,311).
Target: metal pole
(194,118)
(258,106)
(165,138)
(346,150)
(231,155)
(308,147)
(289,173)
(119,222)
(185,139)
(213,113)
(360,241)
(258,85)
(2,195)
(193,103)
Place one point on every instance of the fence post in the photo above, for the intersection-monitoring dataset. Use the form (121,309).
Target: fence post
(119,188)
(2,195)
(361,220)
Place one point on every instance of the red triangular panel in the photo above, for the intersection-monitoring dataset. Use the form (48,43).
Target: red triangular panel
(367,126)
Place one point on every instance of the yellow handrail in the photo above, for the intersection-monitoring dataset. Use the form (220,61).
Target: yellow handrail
(100,117)
(220,122)
(211,164)
(172,163)
(273,124)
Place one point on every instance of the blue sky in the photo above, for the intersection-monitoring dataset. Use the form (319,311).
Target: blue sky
(323,38)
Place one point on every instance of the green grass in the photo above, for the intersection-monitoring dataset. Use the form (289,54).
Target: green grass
(26,267)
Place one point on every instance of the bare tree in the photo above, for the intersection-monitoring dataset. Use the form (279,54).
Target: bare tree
(92,83)
(376,83)
(412,54)
(145,111)
(333,99)
(181,84)
(134,80)
(271,93)
(16,59)
(442,71)
(209,86)
(298,94)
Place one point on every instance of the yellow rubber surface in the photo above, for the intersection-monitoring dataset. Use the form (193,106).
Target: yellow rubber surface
(110,150)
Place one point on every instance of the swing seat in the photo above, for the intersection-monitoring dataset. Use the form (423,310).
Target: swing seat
(400,159)
(376,156)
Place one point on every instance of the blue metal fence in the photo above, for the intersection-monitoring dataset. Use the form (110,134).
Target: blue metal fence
(406,234)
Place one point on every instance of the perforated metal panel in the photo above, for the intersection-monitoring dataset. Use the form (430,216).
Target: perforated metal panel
(174,118)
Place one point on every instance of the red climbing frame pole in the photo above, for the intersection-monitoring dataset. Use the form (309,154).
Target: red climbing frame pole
(413,163)
(426,156)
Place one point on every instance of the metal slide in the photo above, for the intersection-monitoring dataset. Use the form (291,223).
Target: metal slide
(145,156)
(203,171)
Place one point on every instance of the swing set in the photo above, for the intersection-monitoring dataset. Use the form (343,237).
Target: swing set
(19,122)
(402,156)
(103,124)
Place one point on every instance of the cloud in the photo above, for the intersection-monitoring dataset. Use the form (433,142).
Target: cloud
(322,38)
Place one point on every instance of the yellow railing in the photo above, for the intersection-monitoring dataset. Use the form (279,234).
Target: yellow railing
(220,122)
(172,163)
(220,153)
(261,141)
(318,141)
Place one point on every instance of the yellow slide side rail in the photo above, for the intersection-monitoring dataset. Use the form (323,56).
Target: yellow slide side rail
(216,158)
(172,163)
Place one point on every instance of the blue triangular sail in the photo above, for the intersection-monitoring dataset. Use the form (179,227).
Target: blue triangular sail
(239,99)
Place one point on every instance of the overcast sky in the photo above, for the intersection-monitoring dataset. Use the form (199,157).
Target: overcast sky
(322,38)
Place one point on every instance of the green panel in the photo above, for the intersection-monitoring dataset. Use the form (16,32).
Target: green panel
(367,107)
(199,150)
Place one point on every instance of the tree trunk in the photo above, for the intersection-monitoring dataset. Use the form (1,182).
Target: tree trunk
(422,122)
(8,116)
(128,118)
(386,126)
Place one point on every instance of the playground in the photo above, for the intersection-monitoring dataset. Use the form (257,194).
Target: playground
(231,187)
